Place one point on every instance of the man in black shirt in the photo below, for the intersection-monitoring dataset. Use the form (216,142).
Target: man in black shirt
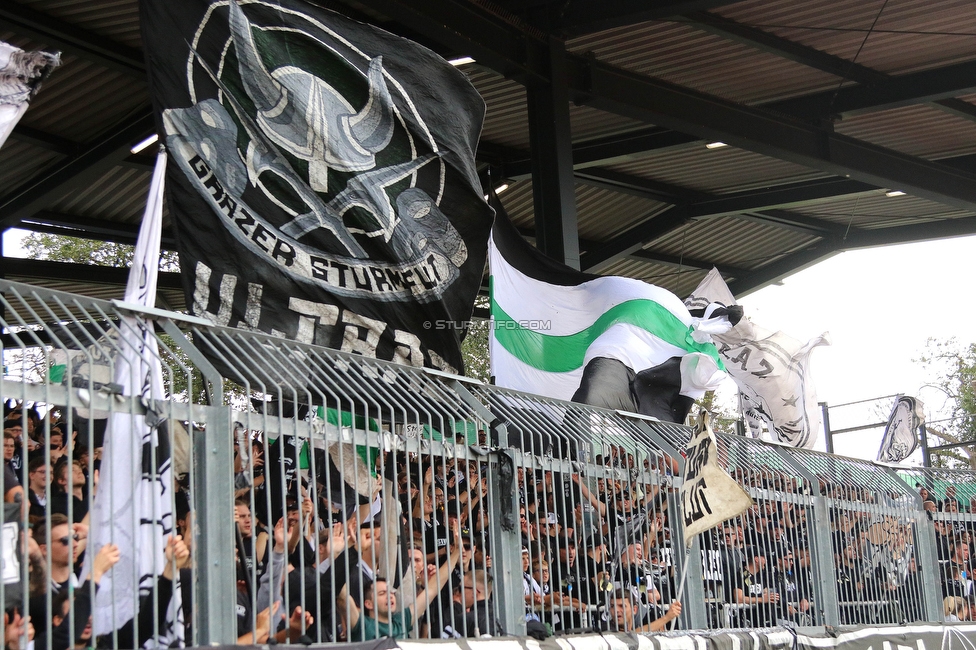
(751,588)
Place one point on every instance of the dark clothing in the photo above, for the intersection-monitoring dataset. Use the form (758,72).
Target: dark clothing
(59,503)
(10,479)
(37,509)
(752,585)
(151,620)
(249,551)
(589,588)
(793,588)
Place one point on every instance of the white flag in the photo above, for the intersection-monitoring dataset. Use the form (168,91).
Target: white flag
(771,369)
(709,495)
(900,438)
(133,506)
(21,74)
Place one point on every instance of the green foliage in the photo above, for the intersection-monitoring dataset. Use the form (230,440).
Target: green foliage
(723,420)
(474,348)
(42,246)
(952,368)
(474,351)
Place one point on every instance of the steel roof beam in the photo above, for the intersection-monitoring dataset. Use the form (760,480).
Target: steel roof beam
(929,230)
(795,222)
(778,196)
(634,239)
(784,266)
(612,89)
(892,91)
(57,223)
(684,261)
(67,272)
(903,90)
(635,185)
(863,238)
(43,140)
(71,39)
(755,205)
(98,157)
(607,150)
(588,16)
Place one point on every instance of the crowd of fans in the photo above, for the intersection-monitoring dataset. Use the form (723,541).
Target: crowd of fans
(348,543)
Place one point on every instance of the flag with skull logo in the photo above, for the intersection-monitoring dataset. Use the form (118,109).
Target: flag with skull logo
(324,188)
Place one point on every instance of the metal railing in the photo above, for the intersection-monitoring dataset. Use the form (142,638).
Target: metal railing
(372,498)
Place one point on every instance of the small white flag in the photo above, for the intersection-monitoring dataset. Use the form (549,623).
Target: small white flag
(901,433)
(709,495)
(133,506)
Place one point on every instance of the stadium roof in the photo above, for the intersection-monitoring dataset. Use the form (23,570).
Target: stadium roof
(847,124)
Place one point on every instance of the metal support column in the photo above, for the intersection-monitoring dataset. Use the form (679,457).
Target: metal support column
(553,191)
(214,613)
(828,436)
(506,541)
(822,565)
(212,489)
(927,561)
(923,435)
(825,582)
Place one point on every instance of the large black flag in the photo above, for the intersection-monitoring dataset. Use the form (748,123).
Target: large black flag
(324,188)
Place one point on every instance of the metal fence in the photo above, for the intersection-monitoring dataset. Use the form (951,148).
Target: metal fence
(372,498)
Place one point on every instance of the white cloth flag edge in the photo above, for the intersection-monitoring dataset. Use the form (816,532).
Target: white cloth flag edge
(124,498)
(20,75)
(799,427)
(709,496)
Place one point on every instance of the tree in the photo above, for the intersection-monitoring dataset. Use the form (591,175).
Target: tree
(474,348)
(42,246)
(952,368)
(723,419)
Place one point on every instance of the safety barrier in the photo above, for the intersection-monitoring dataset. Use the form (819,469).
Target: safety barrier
(372,498)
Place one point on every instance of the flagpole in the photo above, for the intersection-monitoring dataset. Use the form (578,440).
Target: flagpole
(684,573)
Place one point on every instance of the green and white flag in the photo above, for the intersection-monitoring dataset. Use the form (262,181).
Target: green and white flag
(609,341)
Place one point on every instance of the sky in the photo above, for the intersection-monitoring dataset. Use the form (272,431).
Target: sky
(879,305)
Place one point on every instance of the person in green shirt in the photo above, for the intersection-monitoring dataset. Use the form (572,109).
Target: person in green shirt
(380,617)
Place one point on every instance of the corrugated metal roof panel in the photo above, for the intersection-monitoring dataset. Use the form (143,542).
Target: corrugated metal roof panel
(715,170)
(916,130)
(114,19)
(118,196)
(19,162)
(681,54)
(909,34)
(877,211)
(727,240)
(601,214)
